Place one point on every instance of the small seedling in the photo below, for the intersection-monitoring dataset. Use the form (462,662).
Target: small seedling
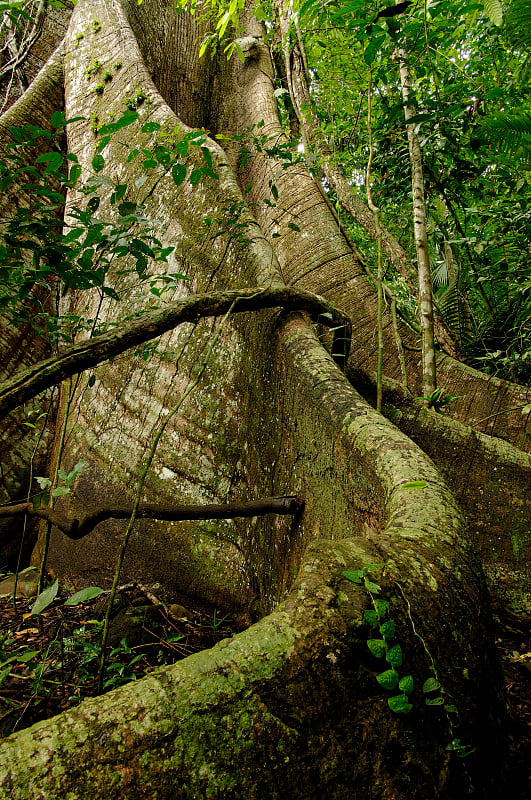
(93,68)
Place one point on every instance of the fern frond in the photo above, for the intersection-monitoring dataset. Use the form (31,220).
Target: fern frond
(511,133)
(494,11)
(518,24)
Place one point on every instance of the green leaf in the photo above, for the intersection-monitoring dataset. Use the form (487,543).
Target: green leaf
(45,598)
(387,629)
(388,679)
(195,176)
(372,587)
(127,119)
(420,118)
(127,208)
(149,127)
(414,485)
(103,144)
(82,596)
(399,704)
(381,607)
(371,617)
(431,685)
(54,161)
(494,11)
(434,701)
(119,193)
(207,156)
(372,48)
(354,575)
(394,656)
(57,119)
(178,173)
(60,491)
(293,226)
(98,162)
(378,647)
(406,684)
(239,52)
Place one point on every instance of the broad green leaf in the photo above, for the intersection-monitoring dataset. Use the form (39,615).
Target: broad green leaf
(372,587)
(239,51)
(434,701)
(421,118)
(387,629)
(127,208)
(82,596)
(60,491)
(127,119)
(102,144)
(372,48)
(54,161)
(371,617)
(149,127)
(381,606)
(431,685)
(388,679)
(394,656)
(378,647)
(98,163)
(400,704)
(45,598)
(207,156)
(354,575)
(57,119)
(195,176)
(406,684)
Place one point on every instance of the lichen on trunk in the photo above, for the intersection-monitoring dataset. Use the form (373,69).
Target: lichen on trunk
(291,706)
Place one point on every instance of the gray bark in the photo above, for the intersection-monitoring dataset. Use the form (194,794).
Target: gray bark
(291,706)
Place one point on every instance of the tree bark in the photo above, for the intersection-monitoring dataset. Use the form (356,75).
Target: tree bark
(429,375)
(291,706)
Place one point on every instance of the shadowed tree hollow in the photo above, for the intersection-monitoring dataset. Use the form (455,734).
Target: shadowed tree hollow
(266,403)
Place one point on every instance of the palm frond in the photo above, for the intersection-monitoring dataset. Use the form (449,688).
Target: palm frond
(511,133)
(518,24)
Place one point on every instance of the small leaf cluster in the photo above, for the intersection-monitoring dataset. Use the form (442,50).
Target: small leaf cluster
(382,646)
(36,250)
(64,485)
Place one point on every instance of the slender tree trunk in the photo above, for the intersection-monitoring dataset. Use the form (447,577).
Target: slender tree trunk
(429,377)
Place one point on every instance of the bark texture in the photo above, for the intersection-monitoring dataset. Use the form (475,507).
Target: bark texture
(290,707)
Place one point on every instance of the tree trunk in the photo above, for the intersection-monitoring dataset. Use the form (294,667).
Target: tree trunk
(290,707)
(429,376)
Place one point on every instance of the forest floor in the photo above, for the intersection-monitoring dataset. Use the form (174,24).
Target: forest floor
(49,662)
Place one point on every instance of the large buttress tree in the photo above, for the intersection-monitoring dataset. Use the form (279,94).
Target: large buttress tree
(256,403)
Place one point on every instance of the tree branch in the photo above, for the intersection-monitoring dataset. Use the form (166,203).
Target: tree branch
(79,528)
(79,357)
